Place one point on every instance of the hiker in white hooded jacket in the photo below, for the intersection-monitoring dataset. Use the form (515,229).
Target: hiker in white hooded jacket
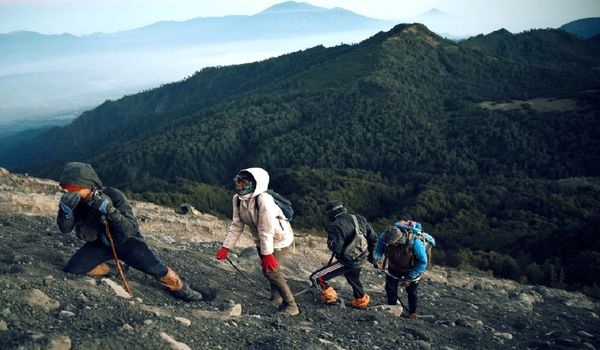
(272,233)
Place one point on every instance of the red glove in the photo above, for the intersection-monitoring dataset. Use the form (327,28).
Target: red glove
(222,253)
(269,263)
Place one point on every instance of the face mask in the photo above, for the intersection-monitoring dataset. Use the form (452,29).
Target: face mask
(243,186)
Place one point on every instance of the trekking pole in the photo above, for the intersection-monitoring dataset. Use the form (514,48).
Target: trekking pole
(114,252)
(246,277)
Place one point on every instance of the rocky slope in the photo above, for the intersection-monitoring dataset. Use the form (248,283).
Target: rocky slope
(41,307)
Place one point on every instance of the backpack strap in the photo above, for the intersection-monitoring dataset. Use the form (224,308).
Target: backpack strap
(356,228)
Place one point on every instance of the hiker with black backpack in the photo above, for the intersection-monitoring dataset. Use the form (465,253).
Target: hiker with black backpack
(256,208)
(403,247)
(103,218)
(352,240)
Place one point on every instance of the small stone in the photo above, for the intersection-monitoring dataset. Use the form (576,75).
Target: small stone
(148,322)
(126,328)
(139,300)
(463,323)
(566,342)
(91,281)
(235,310)
(37,336)
(83,298)
(60,342)
(48,280)
(66,314)
(479,323)
(585,334)
(503,335)
(183,321)
(423,345)
(3,326)
(131,302)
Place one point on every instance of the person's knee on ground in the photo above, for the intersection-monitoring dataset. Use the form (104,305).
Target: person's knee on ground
(107,268)
(101,270)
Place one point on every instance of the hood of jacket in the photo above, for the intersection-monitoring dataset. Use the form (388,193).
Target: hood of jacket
(80,174)
(262,181)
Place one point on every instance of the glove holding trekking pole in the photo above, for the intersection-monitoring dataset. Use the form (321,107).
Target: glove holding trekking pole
(268,263)
(100,202)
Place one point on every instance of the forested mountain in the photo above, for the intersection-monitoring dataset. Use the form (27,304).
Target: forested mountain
(495,152)
(584,28)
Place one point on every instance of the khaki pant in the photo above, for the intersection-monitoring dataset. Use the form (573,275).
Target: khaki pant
(279,286)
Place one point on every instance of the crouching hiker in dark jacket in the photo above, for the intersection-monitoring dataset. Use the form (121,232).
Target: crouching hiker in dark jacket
(86,207)
(352,241)
(406,257)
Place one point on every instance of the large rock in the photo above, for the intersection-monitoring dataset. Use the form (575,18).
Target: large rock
(175,345)
(37,298)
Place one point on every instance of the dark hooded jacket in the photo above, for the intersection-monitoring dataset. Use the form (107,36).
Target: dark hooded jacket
(341,232)
(121,220)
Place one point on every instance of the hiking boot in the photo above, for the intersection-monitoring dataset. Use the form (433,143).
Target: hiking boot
(329,295)
(288,309)
(188,294)
(361,303)
(413,316)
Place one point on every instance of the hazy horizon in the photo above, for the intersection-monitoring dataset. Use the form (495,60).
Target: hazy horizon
(81,17)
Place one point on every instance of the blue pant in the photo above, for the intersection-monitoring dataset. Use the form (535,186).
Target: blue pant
(133,251)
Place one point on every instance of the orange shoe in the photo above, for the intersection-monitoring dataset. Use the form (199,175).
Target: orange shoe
(361,303)
(329,295)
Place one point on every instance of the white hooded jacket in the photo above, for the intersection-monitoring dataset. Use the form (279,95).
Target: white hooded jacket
(257,210)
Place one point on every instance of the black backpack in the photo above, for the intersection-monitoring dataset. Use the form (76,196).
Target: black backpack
(283,203)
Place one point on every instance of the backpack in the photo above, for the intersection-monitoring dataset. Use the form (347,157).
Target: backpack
(415,232)
(358,245)
(283,203)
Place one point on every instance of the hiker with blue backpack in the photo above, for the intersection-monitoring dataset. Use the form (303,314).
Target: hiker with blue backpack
(406,250)
(256,207)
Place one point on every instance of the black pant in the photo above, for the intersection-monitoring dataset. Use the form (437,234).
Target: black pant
(391,290)
(336,269)
(133,251)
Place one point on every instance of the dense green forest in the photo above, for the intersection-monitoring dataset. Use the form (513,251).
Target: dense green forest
(393,127)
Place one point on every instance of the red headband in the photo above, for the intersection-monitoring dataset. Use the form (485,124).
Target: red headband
(72,188)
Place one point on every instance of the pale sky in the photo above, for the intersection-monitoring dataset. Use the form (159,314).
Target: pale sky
(88,16)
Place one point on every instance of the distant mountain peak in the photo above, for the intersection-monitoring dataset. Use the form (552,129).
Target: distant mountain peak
(292,6)
(435,13)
